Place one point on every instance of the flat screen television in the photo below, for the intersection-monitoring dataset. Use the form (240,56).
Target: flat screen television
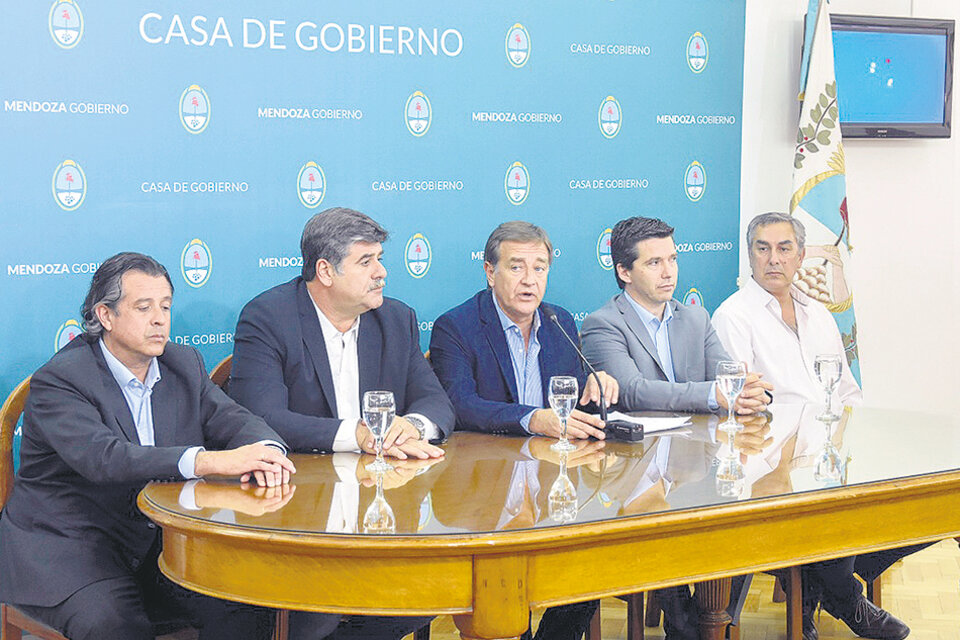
(894,76)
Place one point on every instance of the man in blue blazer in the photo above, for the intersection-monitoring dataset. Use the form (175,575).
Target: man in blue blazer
(495,354)
(307,350)
(117,407)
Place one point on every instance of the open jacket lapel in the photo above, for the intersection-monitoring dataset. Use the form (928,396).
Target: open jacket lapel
(636,326)
(114,401)
(369,348)
(316,347)
(498,342)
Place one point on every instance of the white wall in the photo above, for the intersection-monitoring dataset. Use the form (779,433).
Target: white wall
(904,203)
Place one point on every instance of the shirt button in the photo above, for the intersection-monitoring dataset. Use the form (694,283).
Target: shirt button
(151,525)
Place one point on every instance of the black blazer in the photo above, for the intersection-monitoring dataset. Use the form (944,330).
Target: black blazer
(72,518)
(281,372)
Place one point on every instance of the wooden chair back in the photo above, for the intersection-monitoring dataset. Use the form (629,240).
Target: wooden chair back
(221,373)
(9,416)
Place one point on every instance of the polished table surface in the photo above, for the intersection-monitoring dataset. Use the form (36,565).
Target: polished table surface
(477,537)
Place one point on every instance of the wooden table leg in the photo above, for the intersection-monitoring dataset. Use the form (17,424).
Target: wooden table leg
(501,610)
(713,598)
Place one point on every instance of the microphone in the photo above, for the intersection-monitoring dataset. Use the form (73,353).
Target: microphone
(552,316)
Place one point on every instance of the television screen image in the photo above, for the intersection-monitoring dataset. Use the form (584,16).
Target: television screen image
(894,76)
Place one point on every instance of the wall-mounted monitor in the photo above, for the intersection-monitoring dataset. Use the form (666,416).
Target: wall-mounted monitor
(894,76)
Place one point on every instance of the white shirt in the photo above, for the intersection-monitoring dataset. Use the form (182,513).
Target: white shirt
(751,328)
(345,372)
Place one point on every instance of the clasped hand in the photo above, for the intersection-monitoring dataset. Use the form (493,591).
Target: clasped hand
(402,440)
(580,424)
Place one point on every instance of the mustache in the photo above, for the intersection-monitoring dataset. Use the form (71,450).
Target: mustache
(377,284)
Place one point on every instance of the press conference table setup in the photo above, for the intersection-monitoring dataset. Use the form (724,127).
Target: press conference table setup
(477,537)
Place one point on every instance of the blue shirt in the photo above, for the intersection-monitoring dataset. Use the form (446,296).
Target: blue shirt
(525,360)
(659,331)
(138,394)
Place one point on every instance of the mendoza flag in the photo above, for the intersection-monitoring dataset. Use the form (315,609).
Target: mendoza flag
(819,183)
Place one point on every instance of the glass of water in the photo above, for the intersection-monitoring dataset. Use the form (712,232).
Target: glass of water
(563,398)
(378,412)
(731,377)
(828,368)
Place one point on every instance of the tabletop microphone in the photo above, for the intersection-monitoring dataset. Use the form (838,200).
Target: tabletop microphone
(552,315)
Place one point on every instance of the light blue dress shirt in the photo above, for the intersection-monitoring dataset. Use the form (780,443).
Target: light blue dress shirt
(525,360)
(138,394)
(659,331)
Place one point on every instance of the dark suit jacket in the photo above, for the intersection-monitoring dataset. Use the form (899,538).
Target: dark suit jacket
(281,371)
(73,518)
(469,352)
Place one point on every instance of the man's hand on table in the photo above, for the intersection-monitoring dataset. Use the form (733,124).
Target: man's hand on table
(402,441)
(580,425)
(265,464)
(753,398)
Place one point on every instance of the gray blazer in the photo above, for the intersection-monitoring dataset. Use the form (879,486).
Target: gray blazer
(615,340)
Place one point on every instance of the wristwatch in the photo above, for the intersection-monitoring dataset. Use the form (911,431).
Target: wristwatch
(421,426)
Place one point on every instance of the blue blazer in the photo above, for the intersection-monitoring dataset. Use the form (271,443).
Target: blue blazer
(469,353)
(281,372)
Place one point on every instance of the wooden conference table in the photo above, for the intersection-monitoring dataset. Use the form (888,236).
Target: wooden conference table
(475,536)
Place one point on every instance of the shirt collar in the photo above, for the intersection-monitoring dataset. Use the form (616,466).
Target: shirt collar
(506,323)
(648,318)
(123,375)
(330,331)
(764,297)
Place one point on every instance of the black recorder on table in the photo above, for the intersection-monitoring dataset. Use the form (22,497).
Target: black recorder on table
(616,429)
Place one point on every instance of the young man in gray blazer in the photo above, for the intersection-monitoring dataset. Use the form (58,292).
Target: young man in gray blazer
(663,353)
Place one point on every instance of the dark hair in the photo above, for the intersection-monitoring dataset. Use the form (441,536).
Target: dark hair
(329,234)
(515,231)
(625,236)
(106,285)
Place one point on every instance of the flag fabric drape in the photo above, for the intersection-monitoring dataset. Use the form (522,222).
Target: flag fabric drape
(819,183)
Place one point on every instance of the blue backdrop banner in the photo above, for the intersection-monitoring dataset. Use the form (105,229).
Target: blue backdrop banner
(206,133)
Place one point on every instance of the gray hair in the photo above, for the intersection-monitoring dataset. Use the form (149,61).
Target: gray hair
(515,231)
(774,217)
(329,234)
(106,285)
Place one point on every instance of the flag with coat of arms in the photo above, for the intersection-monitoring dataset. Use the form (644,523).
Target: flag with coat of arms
(819,183)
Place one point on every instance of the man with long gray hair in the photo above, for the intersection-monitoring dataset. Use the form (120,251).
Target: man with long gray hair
(117,407)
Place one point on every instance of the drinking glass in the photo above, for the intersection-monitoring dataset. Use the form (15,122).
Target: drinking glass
(562,499)
(828,367)
(379,516)
(563,398)
(378,412)
(730,473)
(731,377)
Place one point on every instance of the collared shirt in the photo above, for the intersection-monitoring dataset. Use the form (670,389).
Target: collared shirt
(659,331)
(345,371)
(750,325)
(525,359)
(138,395)
(344,362)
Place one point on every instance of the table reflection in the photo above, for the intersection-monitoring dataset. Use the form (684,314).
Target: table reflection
(496,483)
